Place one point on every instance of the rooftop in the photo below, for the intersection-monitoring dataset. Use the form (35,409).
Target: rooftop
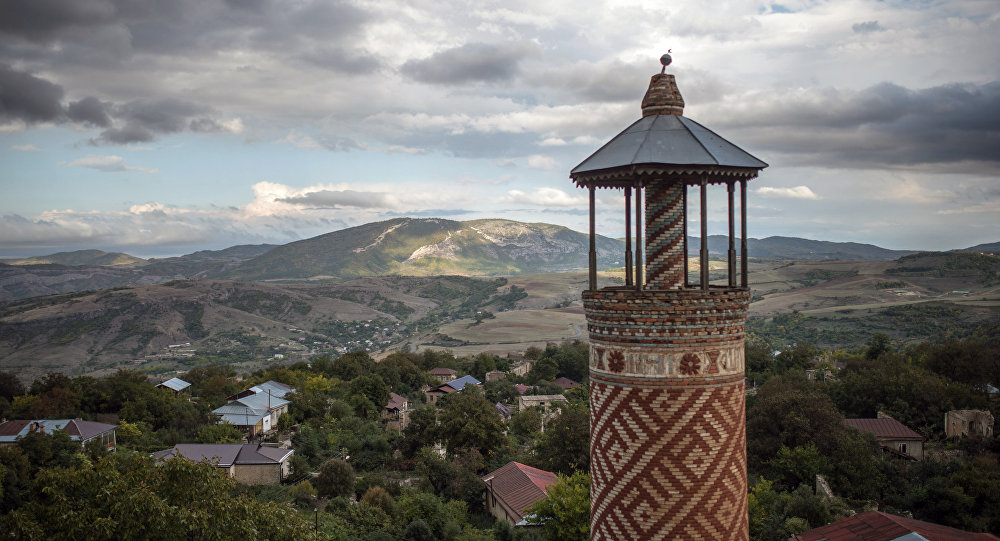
(175,384)
(517,486)
(879,526)
(885,428)
(77,429)
(226,454)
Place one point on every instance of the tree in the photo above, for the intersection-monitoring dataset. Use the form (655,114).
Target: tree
(469,420)
(377,496)
(124,496)
(336,479)
(800,464)
(219,433)
(422,430)
(565,445)
(564,514)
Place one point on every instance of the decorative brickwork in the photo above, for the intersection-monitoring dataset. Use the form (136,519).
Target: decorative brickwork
(668,462)
(662,97)
(668,436)
(665,236)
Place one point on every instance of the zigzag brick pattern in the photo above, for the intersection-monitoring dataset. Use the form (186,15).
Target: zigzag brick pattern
(665,236)
(669,462)
(668,426)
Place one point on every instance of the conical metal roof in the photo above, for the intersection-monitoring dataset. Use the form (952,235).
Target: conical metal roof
(667,143)
(664,145)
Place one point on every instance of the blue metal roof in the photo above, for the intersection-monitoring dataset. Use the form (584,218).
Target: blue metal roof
(460,383)
(667,140)
(175,384)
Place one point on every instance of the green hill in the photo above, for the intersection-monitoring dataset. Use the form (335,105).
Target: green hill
(81,257)
(424,247)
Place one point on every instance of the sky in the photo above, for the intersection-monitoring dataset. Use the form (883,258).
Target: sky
(161,128)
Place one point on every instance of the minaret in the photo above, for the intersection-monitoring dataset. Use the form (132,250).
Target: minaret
(667,405)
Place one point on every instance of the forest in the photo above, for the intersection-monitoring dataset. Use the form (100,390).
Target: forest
(355,478)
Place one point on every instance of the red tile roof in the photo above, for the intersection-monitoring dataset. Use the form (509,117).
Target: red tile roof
(879,526)
(442,372)
(396,402)
(517,486)
(885,428)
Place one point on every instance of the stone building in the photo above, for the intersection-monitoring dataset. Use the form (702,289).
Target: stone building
(668,426)
(892,435)
(249,464)
(968,422)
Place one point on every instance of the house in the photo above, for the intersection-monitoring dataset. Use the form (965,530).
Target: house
(512,489)
(565,383)
(966,422)
(249,464)
(544,401)
(255,413)
(397,411)
(522,388)
(495,375)
(522,367)
(505,411)
(444,375)
(453,386)
(270,387)
(77,429)
(174,384)
(879,526)
(892,435)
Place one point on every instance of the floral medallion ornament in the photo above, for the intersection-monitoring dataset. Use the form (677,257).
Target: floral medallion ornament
(616,361)
(690,365)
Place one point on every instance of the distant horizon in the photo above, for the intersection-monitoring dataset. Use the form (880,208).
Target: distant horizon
(182,252)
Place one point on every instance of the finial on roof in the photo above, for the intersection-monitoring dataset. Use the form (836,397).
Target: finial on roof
(666,60)
(663,97)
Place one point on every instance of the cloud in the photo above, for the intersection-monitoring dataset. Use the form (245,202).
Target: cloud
(308,142)
(797,192)
(90,111)
(544,197)
(108,164)
(885,125)
(341,198)
(538,161)
(472,62)
(28,98)
(25,148)
(867,27)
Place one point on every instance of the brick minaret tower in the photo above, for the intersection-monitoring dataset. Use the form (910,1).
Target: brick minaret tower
(667,418)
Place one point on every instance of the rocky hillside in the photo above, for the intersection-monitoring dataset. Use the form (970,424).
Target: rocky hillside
(194,322)
(425,247)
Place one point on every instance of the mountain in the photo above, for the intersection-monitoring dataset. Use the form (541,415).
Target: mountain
(424,247)
(206,263)
(80,257)
(988,247)
(799,249)
(36,279)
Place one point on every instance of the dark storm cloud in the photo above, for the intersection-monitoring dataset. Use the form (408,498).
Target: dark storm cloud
(39,20)
(340,198)
(867,27)
(26,97)
(472,62)
(142,120)
(883,125)
(91,111)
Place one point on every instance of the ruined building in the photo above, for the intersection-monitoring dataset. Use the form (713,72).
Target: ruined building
(668,426)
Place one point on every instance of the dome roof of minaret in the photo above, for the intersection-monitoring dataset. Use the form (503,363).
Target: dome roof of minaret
(666,144)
